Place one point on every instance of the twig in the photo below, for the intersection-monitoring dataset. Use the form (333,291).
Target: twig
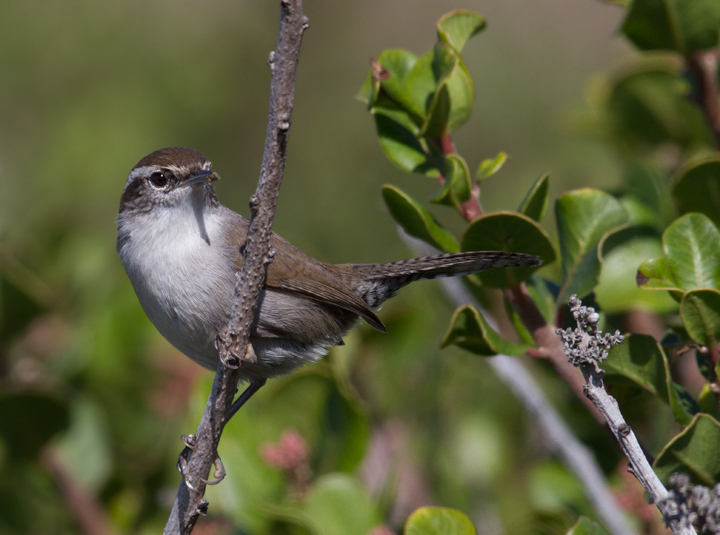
(549,345)
(189,503)
(586,348)
(704,67)
(561,440)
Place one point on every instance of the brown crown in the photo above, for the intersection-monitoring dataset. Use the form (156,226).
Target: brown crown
(177,156)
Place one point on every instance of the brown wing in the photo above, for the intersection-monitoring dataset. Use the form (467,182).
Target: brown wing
(294,270)
(309,277)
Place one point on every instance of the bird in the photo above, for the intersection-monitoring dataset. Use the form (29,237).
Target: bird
(182,251)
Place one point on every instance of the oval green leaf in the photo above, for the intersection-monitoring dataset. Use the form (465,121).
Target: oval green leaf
(398,63)
(458,27)
(457,186)
(640,361)
(617,289)
(402,146)
(651,106)
(417,221)
(583,217)
(508,231)
(450,103)
(697,188)
(438,521)
(700,314)
(655,274)
(692,251)
(469,330)
(676,25)
(536,201)
(693,452)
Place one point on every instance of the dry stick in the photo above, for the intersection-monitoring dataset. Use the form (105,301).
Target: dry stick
(560,438)
(190,503)
(586,347)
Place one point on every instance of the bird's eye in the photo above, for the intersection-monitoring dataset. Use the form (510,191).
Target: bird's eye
(159,180)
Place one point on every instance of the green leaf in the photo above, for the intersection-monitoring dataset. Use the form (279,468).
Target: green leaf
(508,231)
(457,27)
(28,420)
(399,64)
(700,314)
(449,104)
(693,452)
(438,521)
(617,289)
(490,167)
(655,274)
(640,361)
(650,107)
(438,114)
(457,186)
(541,292)
(338,504)
(697,187)
(676,25)
(461,92)
(469,330)
(365,93)
(708,402)
(583,217)
(421,85)
(585,526)
(649,185)
(402,146)
(417,221)
(536,201)
(692,251)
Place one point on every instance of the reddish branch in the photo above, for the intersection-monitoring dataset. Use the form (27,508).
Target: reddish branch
(549,345)
(704,67)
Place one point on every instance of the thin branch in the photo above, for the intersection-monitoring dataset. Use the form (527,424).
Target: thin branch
(586,348)
(190,503)
(704,67)
(561,440)
(549,345)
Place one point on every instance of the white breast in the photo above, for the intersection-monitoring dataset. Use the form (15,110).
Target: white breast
(174,258)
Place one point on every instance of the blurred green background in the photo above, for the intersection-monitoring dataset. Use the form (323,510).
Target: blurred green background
(87,88)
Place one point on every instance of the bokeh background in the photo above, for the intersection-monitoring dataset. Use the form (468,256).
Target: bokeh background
(87,88)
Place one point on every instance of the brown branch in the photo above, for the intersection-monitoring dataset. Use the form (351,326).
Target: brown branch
(190,503)
(704,67)
(549,345)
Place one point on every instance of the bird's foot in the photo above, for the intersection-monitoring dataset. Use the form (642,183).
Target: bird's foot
(183,465)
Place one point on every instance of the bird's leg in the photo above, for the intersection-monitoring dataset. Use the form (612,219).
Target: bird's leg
(254,386)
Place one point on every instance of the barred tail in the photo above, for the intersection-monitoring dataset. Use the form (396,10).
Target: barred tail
(375,283)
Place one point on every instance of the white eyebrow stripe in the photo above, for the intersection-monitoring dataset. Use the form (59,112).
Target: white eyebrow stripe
(147,170)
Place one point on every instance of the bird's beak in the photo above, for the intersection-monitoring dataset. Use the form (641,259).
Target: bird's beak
(201,176)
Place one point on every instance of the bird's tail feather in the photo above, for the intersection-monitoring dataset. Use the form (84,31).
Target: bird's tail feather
(375,283)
